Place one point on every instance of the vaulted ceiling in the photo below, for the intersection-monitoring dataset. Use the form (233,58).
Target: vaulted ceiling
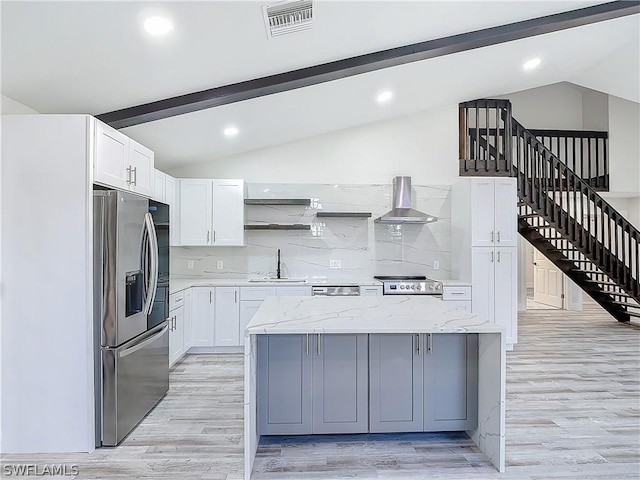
(93,57)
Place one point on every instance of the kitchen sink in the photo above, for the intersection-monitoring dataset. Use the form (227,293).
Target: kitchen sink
(278,280)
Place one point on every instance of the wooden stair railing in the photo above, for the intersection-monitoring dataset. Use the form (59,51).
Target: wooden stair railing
(607,245)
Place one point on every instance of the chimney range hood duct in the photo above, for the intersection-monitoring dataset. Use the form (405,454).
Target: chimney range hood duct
(402,211)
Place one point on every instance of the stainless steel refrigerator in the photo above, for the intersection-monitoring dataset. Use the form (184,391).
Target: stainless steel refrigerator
(131,345)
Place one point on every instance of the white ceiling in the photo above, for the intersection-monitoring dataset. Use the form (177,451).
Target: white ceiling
(92,57)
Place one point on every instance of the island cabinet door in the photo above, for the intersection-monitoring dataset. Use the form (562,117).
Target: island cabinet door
(284,385)
(340,383)
(450,382)
(395,379)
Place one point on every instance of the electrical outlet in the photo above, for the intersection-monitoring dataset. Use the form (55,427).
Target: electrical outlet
(190,264)
(436,265)
(220,265)
(335,263)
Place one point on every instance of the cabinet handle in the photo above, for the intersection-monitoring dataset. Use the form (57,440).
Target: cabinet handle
(457,293)
(318,345)
(129,175)
(235,296)
(418,344)
(208,236)
(498,236)
(135,176)
(492,236)
(498,256)
(214,236)
(307,344)
(429,343)
(210,295)
(491,256)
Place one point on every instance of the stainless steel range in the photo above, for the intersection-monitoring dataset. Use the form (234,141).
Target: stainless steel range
(409,285)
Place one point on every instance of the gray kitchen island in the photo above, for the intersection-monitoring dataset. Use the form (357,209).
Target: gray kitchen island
(331,365)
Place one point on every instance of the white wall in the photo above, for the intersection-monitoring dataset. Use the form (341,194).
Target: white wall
(557,106)
(624,145)
(8,106)
(595,110)
(423,146)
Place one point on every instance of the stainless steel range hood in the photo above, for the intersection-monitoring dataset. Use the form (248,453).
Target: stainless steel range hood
(402,211)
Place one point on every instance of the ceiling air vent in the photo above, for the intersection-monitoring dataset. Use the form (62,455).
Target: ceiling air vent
(287,17)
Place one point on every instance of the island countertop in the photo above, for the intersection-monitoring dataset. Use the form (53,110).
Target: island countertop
(375,314)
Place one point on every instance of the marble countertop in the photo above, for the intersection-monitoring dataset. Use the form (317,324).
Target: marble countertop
(178,284)
(376,314)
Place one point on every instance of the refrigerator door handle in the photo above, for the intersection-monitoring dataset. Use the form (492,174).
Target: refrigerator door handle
(144,343)
(152,251)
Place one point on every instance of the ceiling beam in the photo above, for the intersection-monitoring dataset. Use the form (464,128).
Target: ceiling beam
(347,67)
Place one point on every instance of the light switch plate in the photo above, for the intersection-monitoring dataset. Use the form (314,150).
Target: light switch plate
(436,265)
(335,264)
(220,265)
(190,264)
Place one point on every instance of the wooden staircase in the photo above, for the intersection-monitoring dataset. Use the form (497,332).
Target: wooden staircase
(560,213)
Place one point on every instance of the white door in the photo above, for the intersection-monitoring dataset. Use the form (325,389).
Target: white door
(227,317)
(110,161)
(202,316)
(196,200)
(482,212)
(506,291)
(548,281)
(142,169)
(506,216)
(228,212)
(483,281)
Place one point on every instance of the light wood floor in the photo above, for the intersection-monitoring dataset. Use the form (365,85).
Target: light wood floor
(573,412)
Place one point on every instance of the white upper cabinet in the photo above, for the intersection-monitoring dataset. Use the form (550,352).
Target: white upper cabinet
(141,164)
(195,211)
(111,157)
(493,212)
(211,212)
(228,212)
(122,163)
(159,186)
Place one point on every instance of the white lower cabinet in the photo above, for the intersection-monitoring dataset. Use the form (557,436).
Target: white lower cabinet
(227,317)
(202,316)
(176,327)
(458,297)
(370,290)
(494,294)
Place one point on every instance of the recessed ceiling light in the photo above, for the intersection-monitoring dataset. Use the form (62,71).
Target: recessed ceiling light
(231,131)
(531,64)
(158,25)
(385,96)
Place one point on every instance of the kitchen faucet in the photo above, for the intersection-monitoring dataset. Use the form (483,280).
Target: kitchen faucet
(278,266)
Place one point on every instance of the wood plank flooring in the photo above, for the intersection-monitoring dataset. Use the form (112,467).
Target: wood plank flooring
(573,412)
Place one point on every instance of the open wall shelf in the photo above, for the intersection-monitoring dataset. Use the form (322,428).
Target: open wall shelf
(278,226)
(344,214)
(277,201)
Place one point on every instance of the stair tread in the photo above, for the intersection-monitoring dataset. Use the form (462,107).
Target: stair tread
(633,314)
(600,282)
(624,304)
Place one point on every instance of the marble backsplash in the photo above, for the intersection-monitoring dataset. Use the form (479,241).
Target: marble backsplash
(363,247)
